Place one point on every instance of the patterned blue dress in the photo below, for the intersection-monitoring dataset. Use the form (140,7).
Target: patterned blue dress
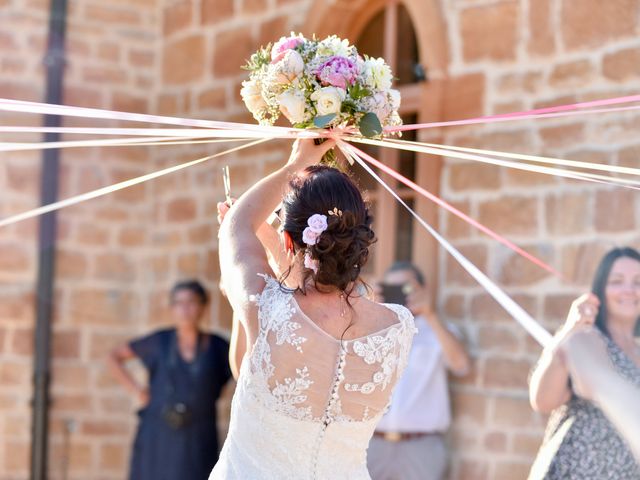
(581,443)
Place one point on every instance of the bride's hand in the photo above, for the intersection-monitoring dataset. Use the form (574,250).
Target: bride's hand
(223,209)
(305,153)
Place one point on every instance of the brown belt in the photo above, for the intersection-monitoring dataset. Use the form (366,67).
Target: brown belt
(401,436)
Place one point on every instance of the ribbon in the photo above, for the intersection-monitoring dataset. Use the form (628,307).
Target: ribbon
(539,159)
(117,186)
(434,198)
(516,311)
(84,112)
(549,112)
(420,148)
(115,142)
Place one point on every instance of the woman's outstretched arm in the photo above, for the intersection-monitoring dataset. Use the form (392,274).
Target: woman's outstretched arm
(549,384)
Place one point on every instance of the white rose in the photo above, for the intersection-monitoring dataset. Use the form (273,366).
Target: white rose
(290,67)
(292,105)
(333,45)
(251,94)
(377,74)
(328,100)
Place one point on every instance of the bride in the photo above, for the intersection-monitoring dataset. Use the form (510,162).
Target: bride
(322,359)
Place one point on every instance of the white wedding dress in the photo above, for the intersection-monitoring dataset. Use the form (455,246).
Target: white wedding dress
(306,403)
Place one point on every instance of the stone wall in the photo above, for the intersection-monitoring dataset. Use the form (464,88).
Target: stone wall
(534,54)
(117,256)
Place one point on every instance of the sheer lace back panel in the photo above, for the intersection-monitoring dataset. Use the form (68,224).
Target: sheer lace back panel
(305,373)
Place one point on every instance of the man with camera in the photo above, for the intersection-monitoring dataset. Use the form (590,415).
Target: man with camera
(409,440)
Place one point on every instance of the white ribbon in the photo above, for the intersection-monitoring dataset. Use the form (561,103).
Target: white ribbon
(516,311)
(117,186)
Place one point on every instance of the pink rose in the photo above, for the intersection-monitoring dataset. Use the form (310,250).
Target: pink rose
(317,223)
(338,72)
(310,262)
(310,237)
(282,45)
(289,67)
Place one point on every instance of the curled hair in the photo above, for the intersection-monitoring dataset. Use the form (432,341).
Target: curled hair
(600,280)
(342,249)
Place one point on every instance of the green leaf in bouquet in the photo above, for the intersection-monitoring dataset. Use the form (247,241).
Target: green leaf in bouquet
(322,121)
(370,125)
(357,91)
(307,124)
(259,59)
(349,106)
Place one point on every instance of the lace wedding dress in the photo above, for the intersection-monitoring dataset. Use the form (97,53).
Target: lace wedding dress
(306,403)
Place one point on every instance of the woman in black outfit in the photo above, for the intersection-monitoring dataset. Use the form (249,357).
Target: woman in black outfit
(177,436)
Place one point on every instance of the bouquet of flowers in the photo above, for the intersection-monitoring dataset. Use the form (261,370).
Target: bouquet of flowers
(320,84)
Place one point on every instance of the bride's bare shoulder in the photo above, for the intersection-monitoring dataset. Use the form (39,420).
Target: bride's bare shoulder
(377,314)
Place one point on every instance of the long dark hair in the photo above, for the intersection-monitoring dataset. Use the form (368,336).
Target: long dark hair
(342,250)
(602,277)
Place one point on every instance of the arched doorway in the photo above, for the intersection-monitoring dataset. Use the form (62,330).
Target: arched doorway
(410,35)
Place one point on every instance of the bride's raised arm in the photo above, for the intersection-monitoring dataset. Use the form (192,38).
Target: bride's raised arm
(242,256)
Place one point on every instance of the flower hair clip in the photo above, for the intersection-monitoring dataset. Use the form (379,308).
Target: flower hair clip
(317,224)
(335,212)
(310,263)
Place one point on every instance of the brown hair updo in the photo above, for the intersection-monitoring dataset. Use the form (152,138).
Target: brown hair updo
(343,248)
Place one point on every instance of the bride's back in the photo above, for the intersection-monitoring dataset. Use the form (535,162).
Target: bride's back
(307,403)
(309,373)
(341,363)
(357,318)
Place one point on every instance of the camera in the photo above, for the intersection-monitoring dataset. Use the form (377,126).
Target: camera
(396,293)
(177,415)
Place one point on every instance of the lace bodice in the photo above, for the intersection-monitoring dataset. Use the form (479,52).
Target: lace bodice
(329,393)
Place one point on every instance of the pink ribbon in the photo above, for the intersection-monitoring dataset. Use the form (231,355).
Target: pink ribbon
(532,327)
(455,211)
(548,112)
